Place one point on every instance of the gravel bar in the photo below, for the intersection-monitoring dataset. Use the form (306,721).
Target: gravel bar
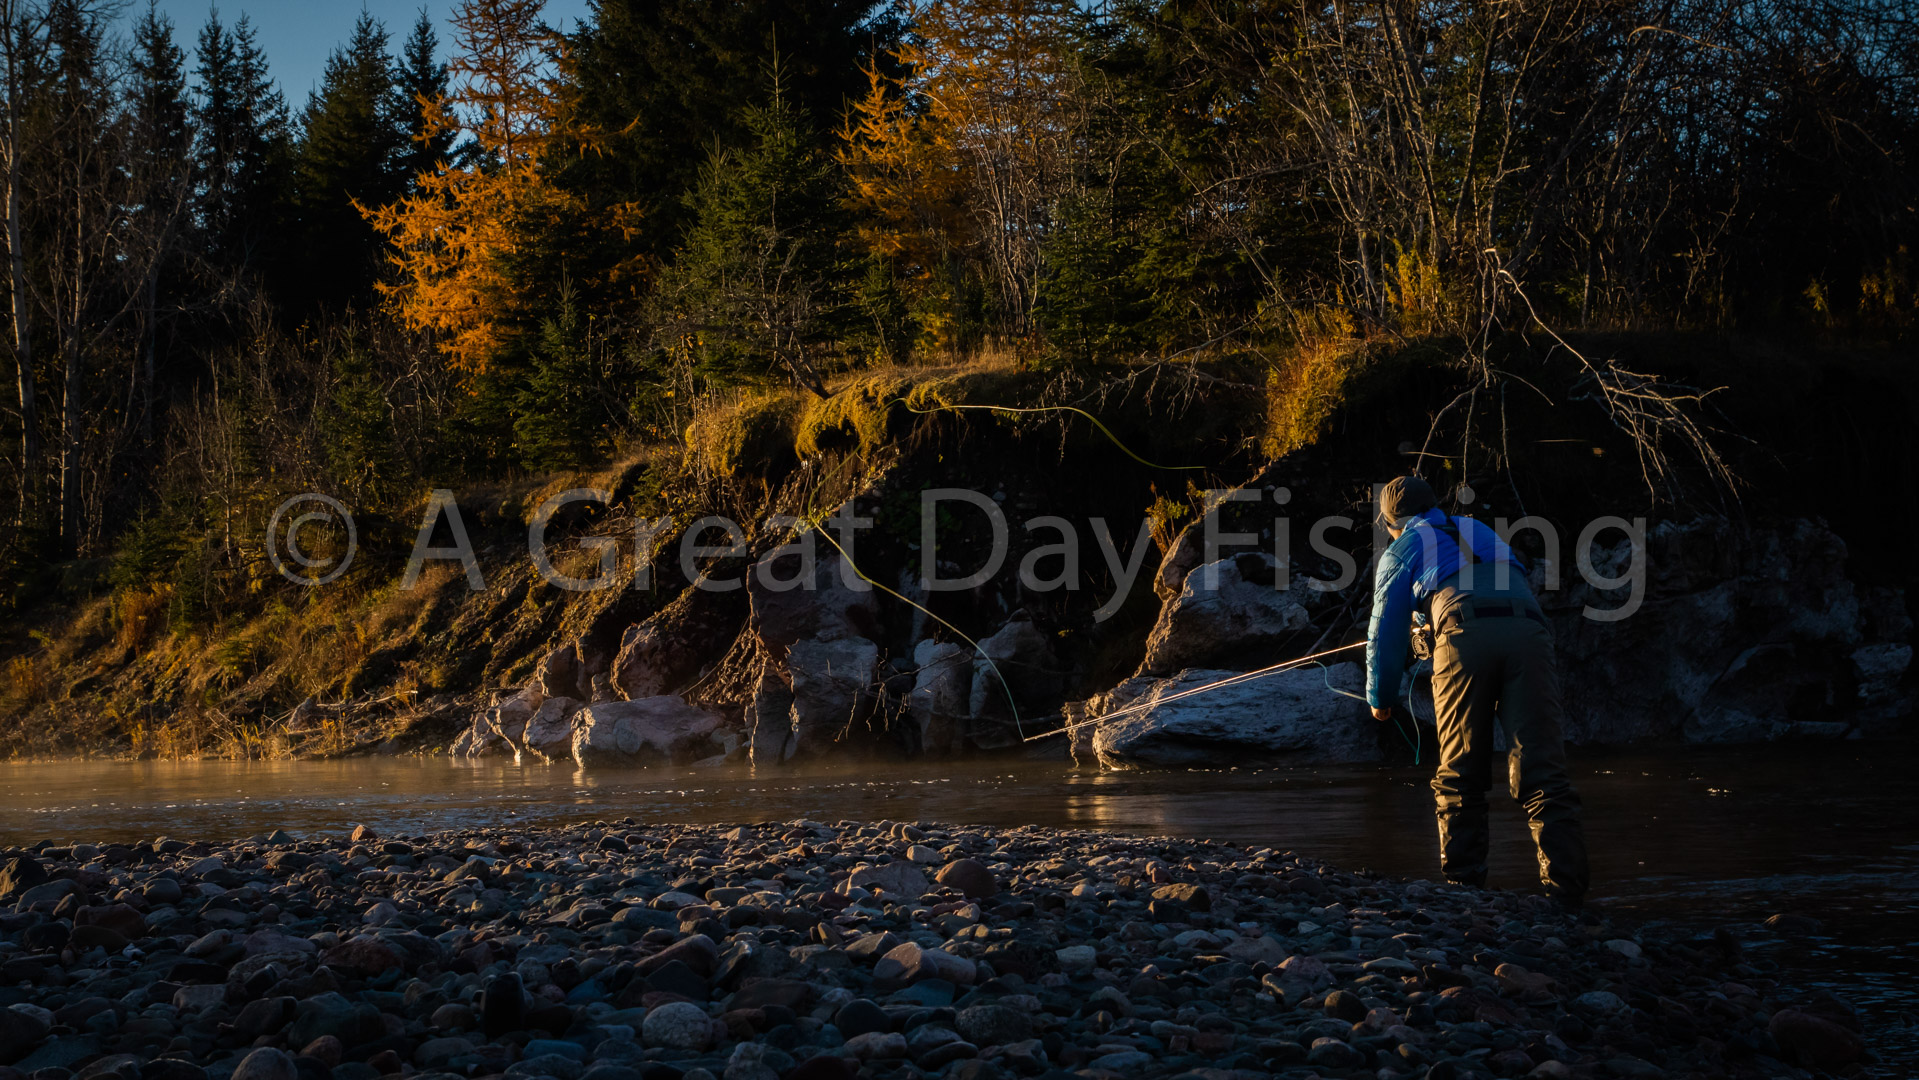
(806,951)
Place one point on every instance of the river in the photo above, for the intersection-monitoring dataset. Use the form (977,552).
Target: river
(1698,837)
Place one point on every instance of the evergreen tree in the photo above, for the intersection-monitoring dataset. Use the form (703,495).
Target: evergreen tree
(352,152)
(361,447)
(651,85)
(241,148)
(563,410)
(760,280)
(157,97)
(159,143)
(419,81)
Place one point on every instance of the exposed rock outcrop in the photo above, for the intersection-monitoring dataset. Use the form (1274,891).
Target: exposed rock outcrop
(1742,636)
(1743,633)
(497,729)
(1024,667)
(562,675)
(818,675)
(940,701)
(787,605)
(549,733)
(833,693)
(679,642)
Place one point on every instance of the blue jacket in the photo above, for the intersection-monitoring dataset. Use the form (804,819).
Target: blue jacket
(1418,564)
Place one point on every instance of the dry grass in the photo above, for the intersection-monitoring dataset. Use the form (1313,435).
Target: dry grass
(858,409)
(26,683)
(731,433)
(138,615)
(739,429)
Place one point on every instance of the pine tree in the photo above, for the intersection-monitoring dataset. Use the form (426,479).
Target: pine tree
(420,83)
(241,150)
(352,150)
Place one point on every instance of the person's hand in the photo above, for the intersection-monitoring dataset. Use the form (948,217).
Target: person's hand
(1383,714)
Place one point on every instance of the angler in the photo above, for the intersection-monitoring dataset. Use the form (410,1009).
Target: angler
(1492,656)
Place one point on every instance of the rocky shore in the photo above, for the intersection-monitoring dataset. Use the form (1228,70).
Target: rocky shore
(1748,634)
(805,951)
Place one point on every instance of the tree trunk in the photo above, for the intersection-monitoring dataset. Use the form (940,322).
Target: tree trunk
(22,340)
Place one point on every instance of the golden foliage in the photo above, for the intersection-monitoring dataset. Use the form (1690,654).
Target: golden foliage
(975,167)
(1888,299)
(1308,384)
(26,685)
(860,408)
(905,179)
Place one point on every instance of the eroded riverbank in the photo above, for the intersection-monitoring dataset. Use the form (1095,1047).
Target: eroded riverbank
(611,951)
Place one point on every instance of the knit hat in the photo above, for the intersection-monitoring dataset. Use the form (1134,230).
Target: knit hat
(1404,497)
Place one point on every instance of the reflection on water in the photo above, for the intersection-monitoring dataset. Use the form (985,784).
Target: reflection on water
(1687,835)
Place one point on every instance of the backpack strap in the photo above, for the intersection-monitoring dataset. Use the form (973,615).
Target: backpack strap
(1466,552)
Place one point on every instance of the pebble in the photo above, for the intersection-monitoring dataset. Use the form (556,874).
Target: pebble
(846,951)
(267,1063)
(677,1025)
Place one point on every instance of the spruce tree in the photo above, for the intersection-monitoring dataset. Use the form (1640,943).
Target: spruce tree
(418,81)
(563,410)
(241,149)
(761,279)
(653,85)
(351,151)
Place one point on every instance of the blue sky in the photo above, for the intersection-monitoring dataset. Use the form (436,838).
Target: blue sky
(297,35)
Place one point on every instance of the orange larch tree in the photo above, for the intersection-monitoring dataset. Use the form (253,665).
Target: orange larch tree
(455,235)
(967,149)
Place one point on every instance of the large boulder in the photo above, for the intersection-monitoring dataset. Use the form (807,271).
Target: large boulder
(497,728)
(1185,553)
(663,728)
(939,703)
(549,734)
(561,674)
(1228,612)
(833,691)
(676,644)
(1288,716)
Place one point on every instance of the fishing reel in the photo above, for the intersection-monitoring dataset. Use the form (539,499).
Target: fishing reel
(1422,637)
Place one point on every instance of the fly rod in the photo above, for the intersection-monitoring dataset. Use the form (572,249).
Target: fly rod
(1247,676)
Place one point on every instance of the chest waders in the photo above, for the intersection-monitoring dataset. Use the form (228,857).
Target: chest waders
(1493,665)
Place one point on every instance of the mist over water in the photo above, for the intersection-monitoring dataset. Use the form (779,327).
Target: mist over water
(1694,837)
